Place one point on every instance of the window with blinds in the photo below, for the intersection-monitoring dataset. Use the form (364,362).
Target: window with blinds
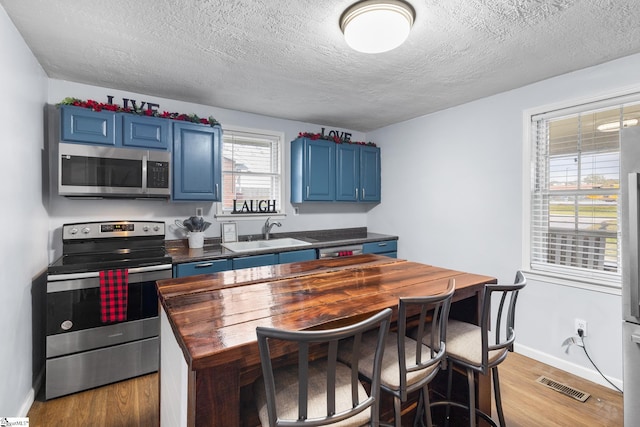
(251,169)
(576,183)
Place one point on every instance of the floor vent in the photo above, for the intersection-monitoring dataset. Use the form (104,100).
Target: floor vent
(564,389)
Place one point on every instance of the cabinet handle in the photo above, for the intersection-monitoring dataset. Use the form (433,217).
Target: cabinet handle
(356,193)
(217,191)
(363,196)
(635,338)
(204,265)
(307,191)
(382,244)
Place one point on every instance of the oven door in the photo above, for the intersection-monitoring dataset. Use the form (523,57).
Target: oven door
(74,311)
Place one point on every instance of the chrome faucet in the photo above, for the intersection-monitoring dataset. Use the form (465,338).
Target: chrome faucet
(266,230)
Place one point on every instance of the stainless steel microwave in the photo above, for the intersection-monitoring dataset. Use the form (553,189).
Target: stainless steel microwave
(98,171)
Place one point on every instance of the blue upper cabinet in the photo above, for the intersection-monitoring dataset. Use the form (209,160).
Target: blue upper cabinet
(347,172)
(146,132)
(197,173)
(325,171)
(312,170)
(370,173)
(358,173)
(83,125)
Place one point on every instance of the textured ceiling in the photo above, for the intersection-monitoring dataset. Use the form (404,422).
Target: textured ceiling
(288,58)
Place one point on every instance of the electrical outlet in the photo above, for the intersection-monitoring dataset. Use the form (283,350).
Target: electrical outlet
(199,211)
(581,324)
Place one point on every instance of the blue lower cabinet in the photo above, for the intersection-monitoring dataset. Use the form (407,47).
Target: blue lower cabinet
(387,247)
(202,267)
(297,256)
(255,261)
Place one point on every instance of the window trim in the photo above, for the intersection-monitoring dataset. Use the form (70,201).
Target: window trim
(611,285)
(281,141)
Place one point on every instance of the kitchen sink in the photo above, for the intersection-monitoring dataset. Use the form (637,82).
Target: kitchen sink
(255,245)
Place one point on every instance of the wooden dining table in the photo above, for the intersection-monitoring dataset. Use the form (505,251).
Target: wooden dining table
(210,320)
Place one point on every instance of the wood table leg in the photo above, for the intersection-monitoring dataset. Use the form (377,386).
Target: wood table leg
(218,396)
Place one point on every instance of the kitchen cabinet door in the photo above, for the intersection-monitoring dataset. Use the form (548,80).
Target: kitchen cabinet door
(357,173)
(347,172)
(370,174)
(85,126)
(197,154)
(312,170)
(146,132)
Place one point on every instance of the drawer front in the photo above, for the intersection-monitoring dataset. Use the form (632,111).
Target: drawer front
(81,371)
(203,267)
(255,261)
(380,247)
(297,256)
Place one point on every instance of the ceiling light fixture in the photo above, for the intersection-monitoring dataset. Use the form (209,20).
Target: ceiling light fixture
(615,126)
(375,26)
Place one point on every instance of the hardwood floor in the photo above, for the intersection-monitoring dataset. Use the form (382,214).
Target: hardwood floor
(130,403)
(526,403)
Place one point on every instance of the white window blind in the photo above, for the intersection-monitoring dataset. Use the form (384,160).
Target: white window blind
(574,200)
(251,169)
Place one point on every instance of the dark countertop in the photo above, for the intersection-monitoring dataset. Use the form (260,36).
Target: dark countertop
(181,253)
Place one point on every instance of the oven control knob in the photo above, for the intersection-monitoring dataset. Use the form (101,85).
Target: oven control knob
(145,228)
(66,325)
(86,230)
(73,231)
(156,228)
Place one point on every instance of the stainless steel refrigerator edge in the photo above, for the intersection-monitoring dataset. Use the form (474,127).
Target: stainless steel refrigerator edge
(630,192)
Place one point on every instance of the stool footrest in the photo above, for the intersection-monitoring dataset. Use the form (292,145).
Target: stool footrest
(481,414)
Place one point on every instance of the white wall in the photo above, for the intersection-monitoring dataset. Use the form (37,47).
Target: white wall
(461,206)
(311,217)
(23,247)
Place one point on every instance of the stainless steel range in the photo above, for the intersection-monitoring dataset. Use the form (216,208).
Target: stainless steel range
(86,346)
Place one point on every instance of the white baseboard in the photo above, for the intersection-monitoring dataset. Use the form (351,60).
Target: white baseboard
(31,396)
(580,371)
(26,405)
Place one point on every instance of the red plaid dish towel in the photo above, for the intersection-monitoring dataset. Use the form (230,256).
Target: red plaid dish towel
(114,287)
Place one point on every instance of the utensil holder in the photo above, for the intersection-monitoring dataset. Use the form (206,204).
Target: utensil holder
(196,239)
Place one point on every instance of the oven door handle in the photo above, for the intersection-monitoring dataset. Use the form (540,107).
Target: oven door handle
(91,274)
(72,281)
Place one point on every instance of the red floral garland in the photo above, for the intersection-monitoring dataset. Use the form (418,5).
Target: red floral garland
(336,139)
(100,106)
